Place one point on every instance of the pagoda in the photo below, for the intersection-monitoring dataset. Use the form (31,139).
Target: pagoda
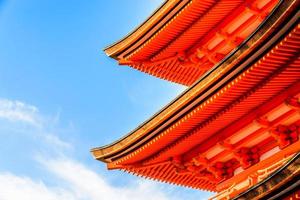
(235,130)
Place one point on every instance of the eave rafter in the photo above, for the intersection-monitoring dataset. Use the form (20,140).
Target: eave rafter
(232,87)
(241,155)
(159,54)
(247,118)
(231,141)
(203,167)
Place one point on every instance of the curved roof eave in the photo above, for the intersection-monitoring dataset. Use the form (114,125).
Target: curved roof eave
(150,23)
(277,17)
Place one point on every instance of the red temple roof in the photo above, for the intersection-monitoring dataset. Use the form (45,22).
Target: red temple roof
(240,118)
(184,39)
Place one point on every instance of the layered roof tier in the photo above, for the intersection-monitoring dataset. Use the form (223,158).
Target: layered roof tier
(239,122)
(184,39)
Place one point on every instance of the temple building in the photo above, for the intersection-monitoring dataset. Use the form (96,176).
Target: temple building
(235,130)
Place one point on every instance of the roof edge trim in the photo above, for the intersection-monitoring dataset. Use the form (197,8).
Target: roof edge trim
(114,49)
(103,153)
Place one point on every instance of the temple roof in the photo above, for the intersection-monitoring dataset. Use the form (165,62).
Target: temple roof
(231,109)
(183,39)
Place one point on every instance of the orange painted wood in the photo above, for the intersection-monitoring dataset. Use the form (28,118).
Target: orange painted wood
(197,38)
(198,151)
(246,124)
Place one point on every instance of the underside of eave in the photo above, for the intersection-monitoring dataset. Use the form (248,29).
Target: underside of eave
(105,156)
(157,52)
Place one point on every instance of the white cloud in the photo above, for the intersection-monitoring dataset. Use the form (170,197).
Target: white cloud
(87,184)
(13,187)
(75,181)
(70,179)
(18,111)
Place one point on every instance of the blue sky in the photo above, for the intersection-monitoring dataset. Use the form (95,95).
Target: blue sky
(60,95)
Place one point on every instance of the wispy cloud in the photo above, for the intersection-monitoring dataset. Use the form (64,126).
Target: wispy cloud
(84,183)
(18,111)
(21,113)
(70,179)
(13,187)
(75,181)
